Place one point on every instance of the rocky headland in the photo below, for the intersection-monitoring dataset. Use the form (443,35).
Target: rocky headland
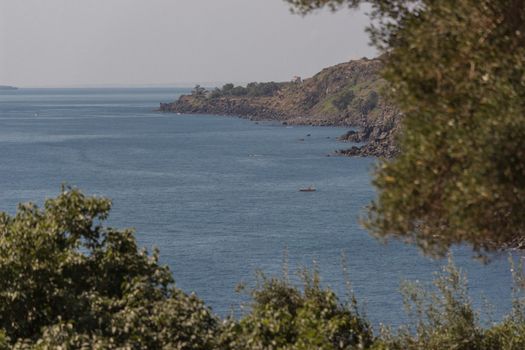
(345,95)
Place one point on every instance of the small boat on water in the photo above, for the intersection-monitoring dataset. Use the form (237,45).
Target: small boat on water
(307,189)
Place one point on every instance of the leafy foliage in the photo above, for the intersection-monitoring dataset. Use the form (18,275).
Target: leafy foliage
(456,70)
(370,102)
(363,104)
(198,91)
(263,89)
(252,90)
(305,6)
(342,101)
(65,280)
(69,282)
(283,316)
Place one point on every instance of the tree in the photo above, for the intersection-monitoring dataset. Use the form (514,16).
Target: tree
(263,89)
(227,88)
(238,91)
(66,280)
(456,69)
(216,93)
(198,91)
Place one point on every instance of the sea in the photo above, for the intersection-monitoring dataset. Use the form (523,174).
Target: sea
(219,196)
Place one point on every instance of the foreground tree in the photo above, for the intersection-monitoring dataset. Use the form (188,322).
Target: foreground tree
(66,280)
(456,69)
(198,91)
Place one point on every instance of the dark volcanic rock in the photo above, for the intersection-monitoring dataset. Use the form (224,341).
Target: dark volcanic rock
(379,140)
(373,148)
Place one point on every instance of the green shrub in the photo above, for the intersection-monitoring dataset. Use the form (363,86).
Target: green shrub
(342,101)
(263,89)
(371,102)
(216,93)
(226,88)
(198,91)
(283,316)
(252,90)
(238,91)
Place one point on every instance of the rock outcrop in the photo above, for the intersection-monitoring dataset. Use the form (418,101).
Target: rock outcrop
(346,95)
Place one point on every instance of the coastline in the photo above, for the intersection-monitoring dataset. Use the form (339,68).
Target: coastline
(372,141)
(346,95)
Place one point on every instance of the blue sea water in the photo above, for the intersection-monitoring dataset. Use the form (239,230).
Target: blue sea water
(218,195)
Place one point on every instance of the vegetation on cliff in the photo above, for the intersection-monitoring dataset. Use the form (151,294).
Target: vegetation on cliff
(69,282)
(252,90)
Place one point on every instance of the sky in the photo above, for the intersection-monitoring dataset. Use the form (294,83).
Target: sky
(69,43)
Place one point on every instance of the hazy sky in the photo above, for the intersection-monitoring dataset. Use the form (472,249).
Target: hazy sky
(140,42)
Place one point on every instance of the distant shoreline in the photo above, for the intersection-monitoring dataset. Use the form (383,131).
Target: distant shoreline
(7,88)
(344,95)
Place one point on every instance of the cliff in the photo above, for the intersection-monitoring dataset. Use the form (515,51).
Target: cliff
(347,95)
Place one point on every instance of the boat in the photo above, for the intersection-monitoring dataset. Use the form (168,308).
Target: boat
(307,189)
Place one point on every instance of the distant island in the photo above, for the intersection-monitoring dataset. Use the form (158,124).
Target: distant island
(346,95)
(7,87)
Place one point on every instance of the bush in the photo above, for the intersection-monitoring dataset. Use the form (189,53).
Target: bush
(216,93)
(263,89)
(239,91)
(252,90)
(343,100)
(371,102)
(283,316)
(227,88)
(198,91)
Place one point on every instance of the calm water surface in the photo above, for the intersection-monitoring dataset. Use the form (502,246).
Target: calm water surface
(219,196)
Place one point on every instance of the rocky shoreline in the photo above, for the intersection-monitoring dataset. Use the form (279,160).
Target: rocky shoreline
(344,95)
(373,140)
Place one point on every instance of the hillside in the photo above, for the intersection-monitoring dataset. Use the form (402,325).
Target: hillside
(347,95)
